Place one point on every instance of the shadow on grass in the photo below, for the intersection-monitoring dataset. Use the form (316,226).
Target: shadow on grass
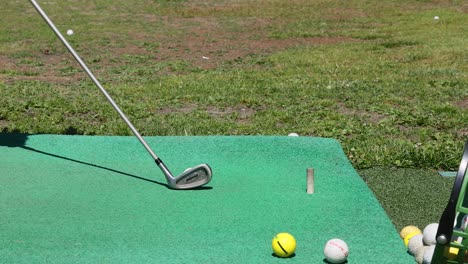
(18,140)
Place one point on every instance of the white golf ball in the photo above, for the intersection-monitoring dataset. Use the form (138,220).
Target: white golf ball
(293,135)
(336,251)
(427,255)
(69,32)
(429,234)
(436,17)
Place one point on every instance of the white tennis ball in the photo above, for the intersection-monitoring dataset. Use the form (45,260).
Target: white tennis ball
(69,32)
(427,255)
(415,243)
(429,234)
(336,251)
(293,135)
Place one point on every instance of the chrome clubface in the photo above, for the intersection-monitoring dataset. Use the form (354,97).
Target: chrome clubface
(192,178)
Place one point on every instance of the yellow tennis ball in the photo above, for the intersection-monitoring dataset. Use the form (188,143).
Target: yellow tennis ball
(407,230)
(410,235)
(283,245)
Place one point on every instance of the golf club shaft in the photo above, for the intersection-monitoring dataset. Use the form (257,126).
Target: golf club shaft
(98,84)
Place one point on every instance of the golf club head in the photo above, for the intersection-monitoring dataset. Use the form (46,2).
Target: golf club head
(192,178)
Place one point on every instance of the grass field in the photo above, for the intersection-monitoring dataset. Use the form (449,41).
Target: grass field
(383,77)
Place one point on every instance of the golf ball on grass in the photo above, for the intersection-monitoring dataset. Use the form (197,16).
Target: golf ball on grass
(69,32)
(293,135)
(336,251)
(284,245)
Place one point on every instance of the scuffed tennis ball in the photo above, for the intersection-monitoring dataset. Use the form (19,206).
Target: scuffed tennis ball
(407,230)
(415,243)
(284,245)
(409,236)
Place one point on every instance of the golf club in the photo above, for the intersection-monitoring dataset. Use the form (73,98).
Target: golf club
(190,178)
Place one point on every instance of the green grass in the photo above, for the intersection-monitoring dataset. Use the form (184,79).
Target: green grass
(384,78)
(410,196)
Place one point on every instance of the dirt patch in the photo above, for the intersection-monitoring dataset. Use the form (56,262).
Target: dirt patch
(240,113)
(207,43)
(368,116)
(3,123)
(187,108)
(463,104)
(45,66)
(463,133)
(208,54)
(201,42)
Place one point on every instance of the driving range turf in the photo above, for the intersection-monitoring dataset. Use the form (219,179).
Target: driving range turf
(87,199)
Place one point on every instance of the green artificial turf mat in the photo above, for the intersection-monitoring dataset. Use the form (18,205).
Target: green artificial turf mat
(98,199)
